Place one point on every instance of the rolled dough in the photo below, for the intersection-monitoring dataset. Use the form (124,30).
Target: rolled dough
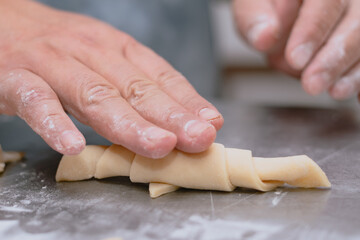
(217,168)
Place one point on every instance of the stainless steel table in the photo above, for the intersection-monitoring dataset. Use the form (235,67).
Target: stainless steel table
(34,206)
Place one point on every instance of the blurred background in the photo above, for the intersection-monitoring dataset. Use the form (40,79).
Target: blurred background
(200,40)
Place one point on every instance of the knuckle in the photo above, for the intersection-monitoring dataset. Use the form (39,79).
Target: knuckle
(189,100)
(23,91)
(173,114)
(128,43)
(61,44)
(47,41)
(170,78)
(85,39)
(95,93)
(139,90)
(33,100)
(46,49)
(17,55)
(33,96)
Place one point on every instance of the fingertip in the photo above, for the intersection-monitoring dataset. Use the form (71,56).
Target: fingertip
(316,84)
(217,123)
(200,135)
(212,116)
(341,90)
(311,88)
(264,33)
(71,143)
(299,56)
(157,142)
(205,139)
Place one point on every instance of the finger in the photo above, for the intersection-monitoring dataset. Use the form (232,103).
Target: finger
(287,12)
(96,102)
(172,82)
(314,24)
(34,101)
(257,22)
(337,56)
(278,61)
(144,95)
(348,85)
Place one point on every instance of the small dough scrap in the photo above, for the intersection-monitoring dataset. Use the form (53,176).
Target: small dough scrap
(7,157)
(205,170)
(2,167)
(158,189)
(116,161)
(12,156)
(81,166)
(2,160)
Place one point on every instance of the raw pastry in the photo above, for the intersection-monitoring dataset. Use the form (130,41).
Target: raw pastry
(158,189)
(82,166)
(6,157)
(218,168)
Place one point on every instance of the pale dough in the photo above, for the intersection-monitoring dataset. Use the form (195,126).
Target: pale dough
(218,168)
(6,157)
(116,161)
(158,189)
(82,166)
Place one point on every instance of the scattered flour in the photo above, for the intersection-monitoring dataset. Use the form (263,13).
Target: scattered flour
(198,227)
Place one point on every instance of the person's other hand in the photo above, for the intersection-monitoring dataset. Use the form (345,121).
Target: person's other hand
(317,40)
(52,61)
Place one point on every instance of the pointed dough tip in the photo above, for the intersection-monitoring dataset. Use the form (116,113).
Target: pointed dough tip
(158,189)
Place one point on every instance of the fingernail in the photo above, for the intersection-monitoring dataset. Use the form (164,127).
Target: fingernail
(318,83)
(255,31)
(302,54)
(154,133)
(209,114)
(260,24)
(344,88)
(71,140)
(195,128)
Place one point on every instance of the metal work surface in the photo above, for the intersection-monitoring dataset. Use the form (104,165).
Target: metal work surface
(34,206)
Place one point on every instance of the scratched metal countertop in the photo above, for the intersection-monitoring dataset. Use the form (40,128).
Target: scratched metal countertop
(34,206)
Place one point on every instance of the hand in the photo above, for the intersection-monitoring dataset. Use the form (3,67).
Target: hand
(317,40)
(51,61)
